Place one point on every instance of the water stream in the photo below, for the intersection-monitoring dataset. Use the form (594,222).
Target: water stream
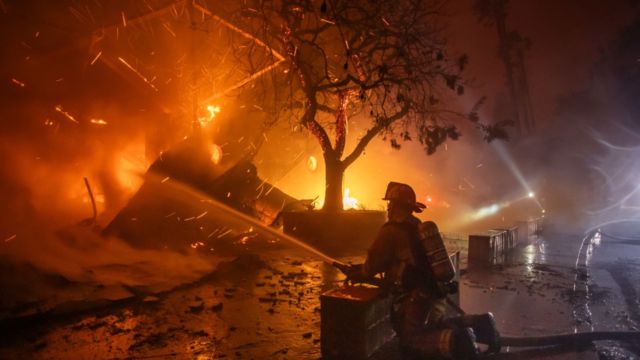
(186,192)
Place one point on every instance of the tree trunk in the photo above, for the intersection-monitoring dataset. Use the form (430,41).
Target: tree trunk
(334,175)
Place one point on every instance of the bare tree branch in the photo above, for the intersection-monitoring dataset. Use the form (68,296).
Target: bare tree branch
(373,132)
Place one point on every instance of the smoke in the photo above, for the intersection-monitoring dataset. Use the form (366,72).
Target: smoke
(42,238)
(80,255)
(44,268)
(583,172)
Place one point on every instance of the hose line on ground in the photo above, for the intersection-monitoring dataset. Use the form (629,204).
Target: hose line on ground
(567,339)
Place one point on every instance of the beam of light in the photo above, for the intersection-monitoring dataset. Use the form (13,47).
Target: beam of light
(510,163)
(487,211)
(504,155)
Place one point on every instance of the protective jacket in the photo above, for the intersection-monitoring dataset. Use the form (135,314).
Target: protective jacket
(397,252)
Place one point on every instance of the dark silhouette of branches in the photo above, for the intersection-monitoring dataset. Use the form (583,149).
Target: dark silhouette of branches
(385,59)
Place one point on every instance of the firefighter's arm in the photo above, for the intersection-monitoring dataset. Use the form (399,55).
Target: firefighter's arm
(381,253)
(378,260)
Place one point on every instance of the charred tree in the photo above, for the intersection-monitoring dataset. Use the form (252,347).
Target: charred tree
(384,61)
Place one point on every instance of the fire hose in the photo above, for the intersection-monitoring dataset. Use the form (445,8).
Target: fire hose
(574,339)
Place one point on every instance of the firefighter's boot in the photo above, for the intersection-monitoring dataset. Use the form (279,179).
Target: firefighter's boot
(486,331)
(456,344)
(484,328)
(463,346)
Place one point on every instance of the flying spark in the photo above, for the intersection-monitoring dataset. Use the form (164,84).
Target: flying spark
(66,114)
(98,121)
(137,73)
(96,58)
(18,82)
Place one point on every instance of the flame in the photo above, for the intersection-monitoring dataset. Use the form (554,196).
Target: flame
(349,202)
(312,163)
(216,154)
(212,110)
(130,164)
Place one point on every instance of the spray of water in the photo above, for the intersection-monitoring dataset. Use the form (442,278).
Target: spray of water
(188,193)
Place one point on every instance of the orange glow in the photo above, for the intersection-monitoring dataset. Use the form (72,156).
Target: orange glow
(66,114)
(212,110)
(130,165)
(349,202)
(98,121)
(312,163)
(18,82)
(435,202)
(135,71)
(216,154)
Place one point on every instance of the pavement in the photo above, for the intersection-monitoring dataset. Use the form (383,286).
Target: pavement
(267,307)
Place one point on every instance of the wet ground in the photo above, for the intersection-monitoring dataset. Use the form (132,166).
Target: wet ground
(268,307)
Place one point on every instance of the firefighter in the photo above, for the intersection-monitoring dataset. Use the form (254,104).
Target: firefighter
(419,305)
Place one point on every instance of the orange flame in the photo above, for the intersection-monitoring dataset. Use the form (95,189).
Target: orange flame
(349,202)
(213,110)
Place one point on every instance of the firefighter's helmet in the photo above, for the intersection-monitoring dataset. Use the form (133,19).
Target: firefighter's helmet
(404,194)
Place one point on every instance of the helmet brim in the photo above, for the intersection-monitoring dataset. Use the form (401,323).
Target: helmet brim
(418,207)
